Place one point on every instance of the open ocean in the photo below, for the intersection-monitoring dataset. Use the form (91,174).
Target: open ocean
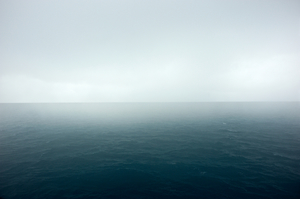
(150,150)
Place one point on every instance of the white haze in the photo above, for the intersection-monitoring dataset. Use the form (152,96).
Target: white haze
(149,51)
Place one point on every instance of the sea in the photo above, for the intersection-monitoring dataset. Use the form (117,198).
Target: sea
(150,150)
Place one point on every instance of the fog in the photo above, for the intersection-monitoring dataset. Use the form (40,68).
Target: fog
(149,51)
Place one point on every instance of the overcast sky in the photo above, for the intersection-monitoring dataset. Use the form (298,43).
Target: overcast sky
(149,50)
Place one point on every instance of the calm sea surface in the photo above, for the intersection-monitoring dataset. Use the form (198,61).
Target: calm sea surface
(150,150)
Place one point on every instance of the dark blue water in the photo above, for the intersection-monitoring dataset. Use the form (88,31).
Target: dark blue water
(144,150)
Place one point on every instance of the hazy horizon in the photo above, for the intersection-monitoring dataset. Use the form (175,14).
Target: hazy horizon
(149,51)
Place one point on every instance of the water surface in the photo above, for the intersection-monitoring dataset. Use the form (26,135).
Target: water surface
(150,150)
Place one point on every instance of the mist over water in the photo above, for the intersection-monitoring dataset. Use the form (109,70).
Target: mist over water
(150,150)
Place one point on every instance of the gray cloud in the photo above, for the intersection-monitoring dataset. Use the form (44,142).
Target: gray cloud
(137,51)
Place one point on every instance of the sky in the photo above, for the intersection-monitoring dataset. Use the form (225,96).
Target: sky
(149,50)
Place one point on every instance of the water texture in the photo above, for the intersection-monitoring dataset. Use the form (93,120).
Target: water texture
(150,150)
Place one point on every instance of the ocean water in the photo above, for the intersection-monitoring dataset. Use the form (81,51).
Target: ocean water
(150,150)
